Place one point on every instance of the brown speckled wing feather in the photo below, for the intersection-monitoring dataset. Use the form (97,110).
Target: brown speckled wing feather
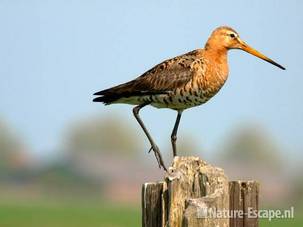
(166,76)
(162,78)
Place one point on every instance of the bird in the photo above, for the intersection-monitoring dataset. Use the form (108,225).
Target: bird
(182,82)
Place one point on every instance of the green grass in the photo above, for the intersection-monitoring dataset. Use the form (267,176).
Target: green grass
(68,215)
(297,221)
(45,213)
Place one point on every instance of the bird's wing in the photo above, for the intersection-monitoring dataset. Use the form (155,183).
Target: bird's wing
(161,79)
(166,76)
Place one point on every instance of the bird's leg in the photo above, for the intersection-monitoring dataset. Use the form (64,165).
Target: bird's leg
(174,133)
(154,147)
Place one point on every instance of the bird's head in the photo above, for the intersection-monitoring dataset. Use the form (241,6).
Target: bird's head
(226,38)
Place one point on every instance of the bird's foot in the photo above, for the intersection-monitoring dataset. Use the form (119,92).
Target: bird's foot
(158,156)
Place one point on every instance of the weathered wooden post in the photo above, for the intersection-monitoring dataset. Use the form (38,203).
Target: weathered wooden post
(192,192)
(244,196)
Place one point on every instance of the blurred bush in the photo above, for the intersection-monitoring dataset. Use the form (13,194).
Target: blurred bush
(13,155)
(103,134)
(251,144)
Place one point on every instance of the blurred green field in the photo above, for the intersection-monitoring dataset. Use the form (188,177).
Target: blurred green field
(82,214)
(50,214)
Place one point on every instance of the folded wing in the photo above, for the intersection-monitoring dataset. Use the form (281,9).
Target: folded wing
(161,79)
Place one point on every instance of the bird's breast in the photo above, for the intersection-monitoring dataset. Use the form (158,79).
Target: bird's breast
(207,80)
(212,82)
(199,90)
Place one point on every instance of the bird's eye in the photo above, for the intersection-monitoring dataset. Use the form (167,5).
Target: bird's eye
(232,35)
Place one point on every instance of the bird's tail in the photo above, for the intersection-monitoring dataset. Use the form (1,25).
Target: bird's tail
(126,90)
(112,94)
(105,99)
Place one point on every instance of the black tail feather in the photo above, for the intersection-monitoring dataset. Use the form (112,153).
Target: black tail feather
(126,90)
(103,92)
(107,99)
(110,95)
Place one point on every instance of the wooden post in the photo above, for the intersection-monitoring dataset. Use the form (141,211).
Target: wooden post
(153,210)
(244,196)
(190,190)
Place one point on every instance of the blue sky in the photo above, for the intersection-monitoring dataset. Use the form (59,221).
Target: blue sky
(55,54)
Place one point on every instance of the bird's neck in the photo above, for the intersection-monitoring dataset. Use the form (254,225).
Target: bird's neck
(216,53)
(217,56)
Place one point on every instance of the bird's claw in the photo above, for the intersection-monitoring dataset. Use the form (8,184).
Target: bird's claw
(150,149)
(158,156)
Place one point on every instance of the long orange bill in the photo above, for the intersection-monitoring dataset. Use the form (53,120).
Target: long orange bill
(256,53)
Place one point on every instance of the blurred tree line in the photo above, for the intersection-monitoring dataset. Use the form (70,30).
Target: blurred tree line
(10,149)
(111,135)
(104,134)
(252,145)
